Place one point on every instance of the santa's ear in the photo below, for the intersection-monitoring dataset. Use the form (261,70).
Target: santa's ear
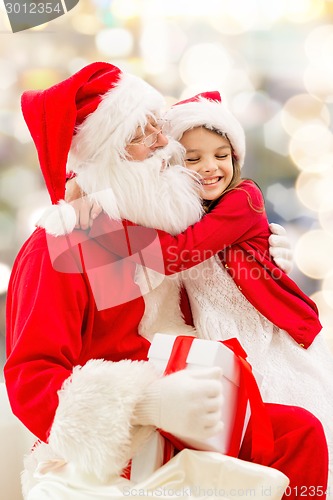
(59,219)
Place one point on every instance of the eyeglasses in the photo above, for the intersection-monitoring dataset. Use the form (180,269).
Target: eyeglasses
(149,140)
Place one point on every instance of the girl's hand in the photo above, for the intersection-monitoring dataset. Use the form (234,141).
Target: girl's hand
(85,209)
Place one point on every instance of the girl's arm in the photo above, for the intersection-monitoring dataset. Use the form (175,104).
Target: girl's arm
(239,216)
(87,211)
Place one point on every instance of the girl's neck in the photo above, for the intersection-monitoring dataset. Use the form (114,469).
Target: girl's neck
(208,205)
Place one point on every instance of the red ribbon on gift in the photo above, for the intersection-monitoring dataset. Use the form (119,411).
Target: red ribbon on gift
(262,433)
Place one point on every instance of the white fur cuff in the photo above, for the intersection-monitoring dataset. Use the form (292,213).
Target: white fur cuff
(92,426)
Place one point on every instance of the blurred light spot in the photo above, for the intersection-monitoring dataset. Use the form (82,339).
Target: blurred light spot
(303,11)
(4,277)
(7,229)
(40,78)
(318,77)
(236,91)
(6,122)
(76,64)
(239,16)
(47,55)
(303,108)
(318,81)
(166,79)
(177,41)
(319,45)
(102,4)
(275,138)
(254,108)
(311,147)
(313,253)
(326,220)
(87,24)
(161,43)
(15,183)
(205,64)
(327,289)
(126,9)
(21,131)
(228,24)
(238,82)
(115,42)
(154,47)
(183,8)
(315,190)
(32,207)
(8,74)
(284,201)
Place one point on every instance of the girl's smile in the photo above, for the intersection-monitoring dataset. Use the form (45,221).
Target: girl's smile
(209,154)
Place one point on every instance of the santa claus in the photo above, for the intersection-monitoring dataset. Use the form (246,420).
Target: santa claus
(80,318)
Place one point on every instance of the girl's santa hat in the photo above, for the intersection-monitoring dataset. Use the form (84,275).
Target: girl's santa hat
(95,110)
(206,110)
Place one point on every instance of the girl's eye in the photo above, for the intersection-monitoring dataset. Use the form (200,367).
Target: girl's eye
(221,157)
(192,160)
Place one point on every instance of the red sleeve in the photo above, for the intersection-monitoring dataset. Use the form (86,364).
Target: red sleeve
(45,311)
(239,216)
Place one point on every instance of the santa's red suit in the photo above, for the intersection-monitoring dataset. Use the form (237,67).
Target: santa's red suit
(75,341)
(59,341)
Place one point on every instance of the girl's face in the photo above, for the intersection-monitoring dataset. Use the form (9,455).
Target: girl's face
(210,155)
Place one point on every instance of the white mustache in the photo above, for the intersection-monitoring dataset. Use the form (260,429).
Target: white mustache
(171,154)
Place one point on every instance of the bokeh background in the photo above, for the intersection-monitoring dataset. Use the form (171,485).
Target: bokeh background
(271,61)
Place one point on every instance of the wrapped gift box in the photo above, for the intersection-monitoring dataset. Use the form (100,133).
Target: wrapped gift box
(206,353)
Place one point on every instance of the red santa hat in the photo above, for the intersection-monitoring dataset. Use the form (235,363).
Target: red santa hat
(206,109)
(98,104)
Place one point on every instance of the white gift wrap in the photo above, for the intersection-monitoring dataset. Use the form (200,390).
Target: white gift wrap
(148,459)
(206,353)
(195,475)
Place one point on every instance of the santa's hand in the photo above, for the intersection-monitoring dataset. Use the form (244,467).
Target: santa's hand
(280,248)
(187,403)
(86,210)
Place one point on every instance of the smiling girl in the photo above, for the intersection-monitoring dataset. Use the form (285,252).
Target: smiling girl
(239,292)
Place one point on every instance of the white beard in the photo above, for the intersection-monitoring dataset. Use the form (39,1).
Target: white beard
(155,194)
(150,193)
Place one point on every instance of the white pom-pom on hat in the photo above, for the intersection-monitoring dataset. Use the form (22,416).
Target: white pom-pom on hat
(58,219)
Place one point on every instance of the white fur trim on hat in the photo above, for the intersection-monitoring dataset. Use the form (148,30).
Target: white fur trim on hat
(208,113)
(114,123)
